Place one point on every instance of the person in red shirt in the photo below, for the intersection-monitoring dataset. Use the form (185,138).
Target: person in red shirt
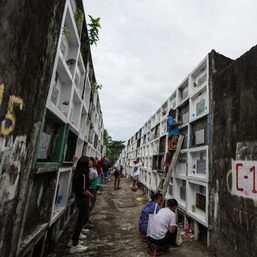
(99,168)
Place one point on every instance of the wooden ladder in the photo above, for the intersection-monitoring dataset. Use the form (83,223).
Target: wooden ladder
(165,179)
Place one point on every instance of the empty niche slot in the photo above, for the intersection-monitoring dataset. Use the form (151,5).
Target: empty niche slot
(183,113)
(170,190)
(69,43)
(183,91)
(172,101)
(200,107)
(161,163)
(184,132)
(199,77)
(70,147)
(155,162)
(182,192)
(39,209)
(38,249)
(162,144)
(201,198)
(181,167)
(56,90)
(164,109)
(83,122)
(62,191)
(75,111)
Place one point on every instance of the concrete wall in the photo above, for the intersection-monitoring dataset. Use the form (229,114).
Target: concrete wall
(29,32)
(233,228)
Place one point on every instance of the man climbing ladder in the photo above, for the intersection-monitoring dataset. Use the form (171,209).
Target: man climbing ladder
(173,134)
(174,145)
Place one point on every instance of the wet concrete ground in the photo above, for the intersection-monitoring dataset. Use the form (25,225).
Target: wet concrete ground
(116,232)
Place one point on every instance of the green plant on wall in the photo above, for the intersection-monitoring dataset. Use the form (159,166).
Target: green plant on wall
(96,87)
(93,33)
(66,32)
(78,15)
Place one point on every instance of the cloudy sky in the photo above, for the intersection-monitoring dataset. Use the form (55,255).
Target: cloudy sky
(147,47)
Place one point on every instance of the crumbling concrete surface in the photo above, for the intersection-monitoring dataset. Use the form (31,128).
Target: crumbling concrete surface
(116,232)
(233,218)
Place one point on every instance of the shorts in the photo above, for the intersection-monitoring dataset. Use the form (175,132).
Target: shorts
(172,143)
(116,174)
(136,177)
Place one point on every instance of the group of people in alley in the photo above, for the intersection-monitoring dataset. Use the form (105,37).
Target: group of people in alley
(155,222)
(89,173)
(158,224)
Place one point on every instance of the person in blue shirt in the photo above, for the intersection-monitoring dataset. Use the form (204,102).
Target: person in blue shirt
(157,198)
(173,134)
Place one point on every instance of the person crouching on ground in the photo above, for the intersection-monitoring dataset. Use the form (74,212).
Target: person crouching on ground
(163,230)
(135,174)
(153,205)
(173,134)
(82,195)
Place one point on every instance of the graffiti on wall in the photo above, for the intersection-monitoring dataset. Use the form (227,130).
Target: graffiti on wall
(244,179)
(243,172)
(9,122)
(12,149)
(13,153)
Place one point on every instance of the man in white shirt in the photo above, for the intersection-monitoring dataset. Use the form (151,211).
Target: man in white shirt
(135,173)
(163,230)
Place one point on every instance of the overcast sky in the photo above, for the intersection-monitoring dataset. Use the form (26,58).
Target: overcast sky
(147,47)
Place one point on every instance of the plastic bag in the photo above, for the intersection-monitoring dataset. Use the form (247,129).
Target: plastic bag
(150,220)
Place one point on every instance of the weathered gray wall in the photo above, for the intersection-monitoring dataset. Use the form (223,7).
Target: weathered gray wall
(29,32)
(233,219)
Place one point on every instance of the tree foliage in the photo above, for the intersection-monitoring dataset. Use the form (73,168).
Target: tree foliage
(113,147)
(93,32)
(96,87)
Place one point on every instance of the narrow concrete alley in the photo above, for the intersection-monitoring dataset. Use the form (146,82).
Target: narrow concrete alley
(116,232)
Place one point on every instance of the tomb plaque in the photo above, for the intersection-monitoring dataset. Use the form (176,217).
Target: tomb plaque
(200,107)
(202,79)
(199,137)
(44,145)
(185,118)
(54,96)
(201,166)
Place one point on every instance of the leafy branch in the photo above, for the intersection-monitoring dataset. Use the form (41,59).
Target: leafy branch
(66,32)
(95,87)
(93,31)
(79,16)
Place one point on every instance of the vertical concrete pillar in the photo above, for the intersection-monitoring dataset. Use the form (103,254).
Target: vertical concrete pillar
(196,230)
